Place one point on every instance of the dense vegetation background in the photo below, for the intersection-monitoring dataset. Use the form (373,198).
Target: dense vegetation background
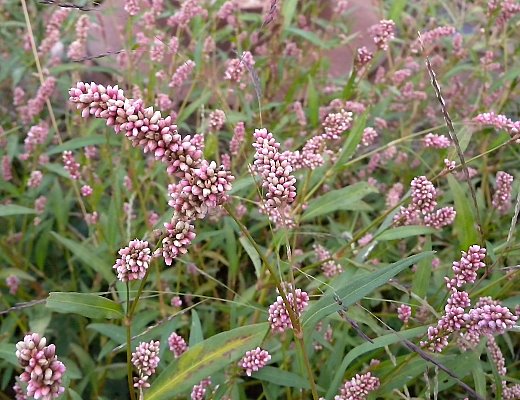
(295,180)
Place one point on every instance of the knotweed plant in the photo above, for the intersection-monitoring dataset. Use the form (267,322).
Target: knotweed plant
(215,199)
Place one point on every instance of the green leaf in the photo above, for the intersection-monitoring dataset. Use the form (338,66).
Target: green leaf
(353,139)
(288,11)
(396,11)
(88,256)
(252,253)
(347,198)
(402,232)
(241,183)
(196,335)
(313,101)
(78,143)
(7,353)
(356,290)
(114,332)
(421,278)
(5,272)
(86,304)
(464,224)
(349,88)
(366,347)
(13,209)
(281,378)
(309,36)
(205,359)
(203,98)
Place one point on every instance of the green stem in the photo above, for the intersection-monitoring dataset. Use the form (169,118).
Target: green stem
(289,307)
(128,325)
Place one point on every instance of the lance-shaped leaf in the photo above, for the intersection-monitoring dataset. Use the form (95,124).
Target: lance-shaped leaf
(86,304)
(366,347)
(13,209)
(205,359)
(348,198)
(356,290)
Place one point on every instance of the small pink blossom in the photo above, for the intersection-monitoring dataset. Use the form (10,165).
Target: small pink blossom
(436,141)
(176,301)
(336,123)
(217,119)
(254,360)
(502,196)
(35,180)
(145,359)
(71,165)
(382,33)
(404,312)
(466,268)
(12,282)
(177,344)
(86,191)
(423,195)
(237,139)
(134,261)
(359,387)
(278,314)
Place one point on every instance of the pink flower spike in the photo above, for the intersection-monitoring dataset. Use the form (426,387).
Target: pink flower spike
(254,360)
(134,261)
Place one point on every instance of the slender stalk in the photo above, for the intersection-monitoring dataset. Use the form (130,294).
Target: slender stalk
(298,333)
(128,326)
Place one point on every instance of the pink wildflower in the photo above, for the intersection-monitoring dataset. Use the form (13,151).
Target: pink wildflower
(432,36)
(274,169)
(404,312)
(278,314)
(180,235)
(77,48)
(440,218)
(254,360)
(423,195)
(382,33)
(358,388)
(394,195)
(217,119)
(330,268)
(236,68)
(177,344)
(369,136)
(132,7)
(92,218)
(145,359)
(189,10)
(52,30)
(35,180)
(134,261)
(176,301)
(502,197)
(496,355)
(71,165)
(337,123)
(365,240)
(237,139)
(436,141)
(199,391)
(37,135)
(300,113)
(86,190)
(12,282)
(466,269)
(36,104)
(43,371)
(181,74)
